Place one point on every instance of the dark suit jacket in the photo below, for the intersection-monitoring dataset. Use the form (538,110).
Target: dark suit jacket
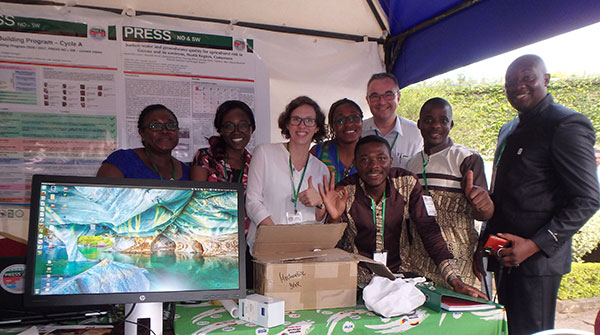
(546,185)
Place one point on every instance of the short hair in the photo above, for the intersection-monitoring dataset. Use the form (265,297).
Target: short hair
(284,118)
(338,104)
(383,75)
(228,105)
(372,139)
(437,101)
(537,60)
(149,109)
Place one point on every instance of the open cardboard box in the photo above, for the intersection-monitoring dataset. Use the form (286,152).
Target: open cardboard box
(301,265)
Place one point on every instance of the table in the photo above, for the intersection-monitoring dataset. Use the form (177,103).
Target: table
(210,319)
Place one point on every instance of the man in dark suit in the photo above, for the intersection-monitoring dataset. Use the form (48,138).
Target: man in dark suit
(544,188)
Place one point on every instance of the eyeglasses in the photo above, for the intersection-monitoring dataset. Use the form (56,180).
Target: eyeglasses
(387,96)
(309,122)
(158,126)
(349,119)
(229,127)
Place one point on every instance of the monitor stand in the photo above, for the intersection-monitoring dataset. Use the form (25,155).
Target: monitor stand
(149,314)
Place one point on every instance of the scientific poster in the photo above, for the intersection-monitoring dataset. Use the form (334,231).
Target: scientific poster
(190,73)
(57,103)
(73,82)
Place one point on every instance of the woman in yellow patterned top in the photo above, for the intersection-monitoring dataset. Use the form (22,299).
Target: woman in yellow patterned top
(345,124)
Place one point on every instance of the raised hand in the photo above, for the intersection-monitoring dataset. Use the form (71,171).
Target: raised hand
(333,199)
(482,204)
(310,197)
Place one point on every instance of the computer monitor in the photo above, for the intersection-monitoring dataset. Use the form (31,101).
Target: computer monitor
(124,241)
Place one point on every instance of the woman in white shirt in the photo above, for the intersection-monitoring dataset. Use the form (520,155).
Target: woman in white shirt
(283,177)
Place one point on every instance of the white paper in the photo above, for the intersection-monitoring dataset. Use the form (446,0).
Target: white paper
(231,307)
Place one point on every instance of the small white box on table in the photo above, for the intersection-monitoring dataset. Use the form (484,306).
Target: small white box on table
(262,310)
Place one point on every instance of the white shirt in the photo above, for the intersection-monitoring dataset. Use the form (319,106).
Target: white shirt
(269,190)
(408,143)
(447,165)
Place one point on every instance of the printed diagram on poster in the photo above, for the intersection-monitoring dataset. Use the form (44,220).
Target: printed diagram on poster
(72,87)
(190,73)
(58,105)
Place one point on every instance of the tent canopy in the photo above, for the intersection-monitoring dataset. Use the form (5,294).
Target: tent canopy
(457,33)
(421,38)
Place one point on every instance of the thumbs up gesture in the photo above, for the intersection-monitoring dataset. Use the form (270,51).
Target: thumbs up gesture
(480,200)
(310,197)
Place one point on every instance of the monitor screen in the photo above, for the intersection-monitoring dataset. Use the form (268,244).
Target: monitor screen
(112,241)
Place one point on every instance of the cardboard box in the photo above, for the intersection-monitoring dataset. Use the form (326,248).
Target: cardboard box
(300,264)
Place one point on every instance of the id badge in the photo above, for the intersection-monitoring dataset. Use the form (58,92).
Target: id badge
(380,257)
(293,218)
(429,206)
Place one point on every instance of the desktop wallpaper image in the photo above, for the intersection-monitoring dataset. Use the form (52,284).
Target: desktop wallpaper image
(94,239)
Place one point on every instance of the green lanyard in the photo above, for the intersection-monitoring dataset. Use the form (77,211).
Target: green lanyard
(295,190)
(373,208)
(425,162)
(241,171)
(344,172)
(156,168)
(394,142)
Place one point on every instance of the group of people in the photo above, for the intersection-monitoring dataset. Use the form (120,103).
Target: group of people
(408,193)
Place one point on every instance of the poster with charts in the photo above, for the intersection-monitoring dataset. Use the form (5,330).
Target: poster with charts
(73,82)
(191,73)
(58,101)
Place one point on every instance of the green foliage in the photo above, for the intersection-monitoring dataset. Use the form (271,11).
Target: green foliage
(582,282)
(587,238)
(479,111)
(94,240)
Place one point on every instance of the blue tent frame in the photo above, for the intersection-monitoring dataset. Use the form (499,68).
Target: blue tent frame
(432,37)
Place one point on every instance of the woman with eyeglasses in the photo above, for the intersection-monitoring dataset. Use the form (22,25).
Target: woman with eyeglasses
(345,124)
(283,177)
(227,160)
(159,129)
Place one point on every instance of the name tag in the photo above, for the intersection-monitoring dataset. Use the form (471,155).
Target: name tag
(380,257)
(429,206)
(294,218)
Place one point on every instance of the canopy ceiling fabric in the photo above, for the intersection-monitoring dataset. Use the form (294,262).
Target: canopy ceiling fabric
(342,19)
(474,30)
(482,30)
